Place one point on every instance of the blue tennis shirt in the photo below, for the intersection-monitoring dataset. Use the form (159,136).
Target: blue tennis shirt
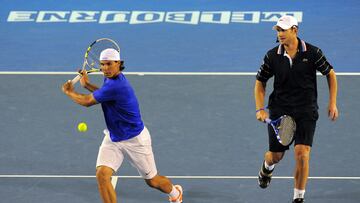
(120,107)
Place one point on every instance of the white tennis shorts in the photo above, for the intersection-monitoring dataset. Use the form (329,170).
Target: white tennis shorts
(137,150)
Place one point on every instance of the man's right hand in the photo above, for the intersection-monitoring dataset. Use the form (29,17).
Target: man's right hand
(262,115)
(84,80)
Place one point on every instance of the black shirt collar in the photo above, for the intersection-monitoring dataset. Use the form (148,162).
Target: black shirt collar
(301,47)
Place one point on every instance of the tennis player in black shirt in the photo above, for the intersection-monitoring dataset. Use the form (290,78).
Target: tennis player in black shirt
(293,64)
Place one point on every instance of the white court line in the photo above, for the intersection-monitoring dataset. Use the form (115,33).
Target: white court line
(154,73)
(115,178)
(126,73)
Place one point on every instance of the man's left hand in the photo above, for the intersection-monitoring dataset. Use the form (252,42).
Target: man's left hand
(68,87)
(333,112)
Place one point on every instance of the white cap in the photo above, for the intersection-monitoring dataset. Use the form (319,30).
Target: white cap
(286,22)
(110,55)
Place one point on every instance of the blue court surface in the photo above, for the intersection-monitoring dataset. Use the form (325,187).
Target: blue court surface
(177,35)
(205,137)
(192,65)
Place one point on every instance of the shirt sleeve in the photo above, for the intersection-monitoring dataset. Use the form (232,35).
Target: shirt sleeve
(106,93)
(322,65)
(265,72)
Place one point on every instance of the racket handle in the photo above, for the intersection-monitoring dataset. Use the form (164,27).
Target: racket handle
(76,79)
(267,120)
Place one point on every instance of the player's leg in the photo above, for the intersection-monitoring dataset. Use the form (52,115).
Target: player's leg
(106,190)
(305,124)
(302,156)
(271,158)
(163,184)
(301,173)
(268,166)
(109,160)
(139,151)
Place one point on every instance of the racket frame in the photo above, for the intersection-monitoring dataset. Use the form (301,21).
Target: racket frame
(273,124)
(85,63)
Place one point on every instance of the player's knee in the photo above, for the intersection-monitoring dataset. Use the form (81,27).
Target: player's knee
(103,174)
(275,160)
(276,157)
(302,157)
(302,154)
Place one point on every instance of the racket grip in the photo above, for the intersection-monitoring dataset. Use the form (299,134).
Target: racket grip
(267,120)
(76,79)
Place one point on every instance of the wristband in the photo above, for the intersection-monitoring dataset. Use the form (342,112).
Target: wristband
(261,109)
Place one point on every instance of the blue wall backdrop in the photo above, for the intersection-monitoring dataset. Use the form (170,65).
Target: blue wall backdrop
(176,35)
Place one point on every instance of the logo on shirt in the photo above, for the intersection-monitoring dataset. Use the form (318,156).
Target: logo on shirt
(305,60)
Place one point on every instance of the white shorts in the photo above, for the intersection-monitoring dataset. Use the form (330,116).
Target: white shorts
(137,149)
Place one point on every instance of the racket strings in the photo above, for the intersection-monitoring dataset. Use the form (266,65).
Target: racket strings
(287,129)
(95,51)
(93,59)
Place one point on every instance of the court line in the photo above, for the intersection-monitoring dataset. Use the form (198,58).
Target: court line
(126,73)
(154,73)
(115,178)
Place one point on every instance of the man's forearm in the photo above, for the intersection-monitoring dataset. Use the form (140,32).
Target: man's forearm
(259,93)
(332,83)
(82,99)
(91,87)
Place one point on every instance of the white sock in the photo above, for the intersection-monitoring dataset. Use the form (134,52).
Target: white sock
(269,167)
(174,192)
(299,193)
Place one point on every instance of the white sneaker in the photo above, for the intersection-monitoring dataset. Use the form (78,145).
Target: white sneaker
(179,198)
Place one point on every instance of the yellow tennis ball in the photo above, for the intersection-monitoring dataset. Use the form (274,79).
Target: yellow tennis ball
(82,127)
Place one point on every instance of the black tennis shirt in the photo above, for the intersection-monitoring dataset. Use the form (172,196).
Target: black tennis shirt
(294,79)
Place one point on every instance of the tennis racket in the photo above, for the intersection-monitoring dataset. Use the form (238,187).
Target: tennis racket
(284,128)
(91,59)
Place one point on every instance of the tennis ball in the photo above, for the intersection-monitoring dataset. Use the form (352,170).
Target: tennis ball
(82,127)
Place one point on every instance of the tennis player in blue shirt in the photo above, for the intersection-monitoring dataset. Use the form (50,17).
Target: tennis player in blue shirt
(126,135)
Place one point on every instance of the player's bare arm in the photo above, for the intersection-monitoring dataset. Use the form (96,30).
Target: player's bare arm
(259,92)
(85,82)
(82,99)
(332,83)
